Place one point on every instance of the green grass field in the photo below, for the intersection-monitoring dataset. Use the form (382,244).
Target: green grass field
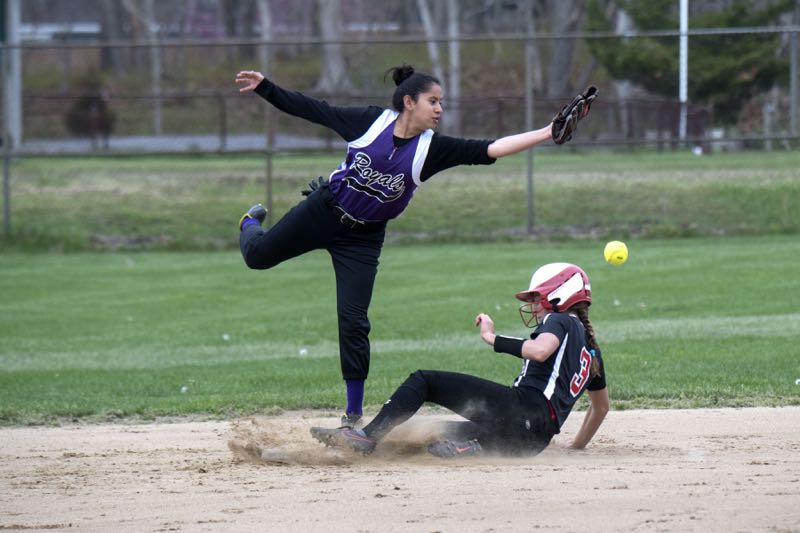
(162,203)
(686,322)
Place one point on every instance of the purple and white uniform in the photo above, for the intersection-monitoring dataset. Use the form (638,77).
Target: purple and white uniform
(377,179)
(380,172)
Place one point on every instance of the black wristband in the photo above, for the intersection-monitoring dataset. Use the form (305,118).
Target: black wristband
(509,345)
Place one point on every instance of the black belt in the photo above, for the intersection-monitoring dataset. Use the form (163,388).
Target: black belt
(345,218)
(352,222)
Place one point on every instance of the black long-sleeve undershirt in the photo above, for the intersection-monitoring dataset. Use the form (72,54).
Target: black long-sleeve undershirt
(350,123)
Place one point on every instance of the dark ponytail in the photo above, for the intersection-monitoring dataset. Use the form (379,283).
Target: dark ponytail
(581,309)
(409,83)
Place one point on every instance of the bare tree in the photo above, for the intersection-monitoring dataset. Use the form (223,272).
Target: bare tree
(563,16)
(184,17)
(333,78)
(143,11)
(624,88)
(453,80)
(430,35)
(112,58)
(533,45)
(151,30)
(265,25)
(454,55)
(237,17)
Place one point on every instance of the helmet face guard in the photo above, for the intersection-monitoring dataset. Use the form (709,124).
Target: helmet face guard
(528,315)
(559,286)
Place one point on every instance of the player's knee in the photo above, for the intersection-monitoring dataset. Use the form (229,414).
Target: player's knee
(428,376)
(419,378)
(255,254)
(255,262)
(418,382)
(355,334)
(354,325)
(256,259)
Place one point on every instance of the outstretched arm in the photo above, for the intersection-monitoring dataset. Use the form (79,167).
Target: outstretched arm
(598,408)
(560,130)
(349,122)
(517,143)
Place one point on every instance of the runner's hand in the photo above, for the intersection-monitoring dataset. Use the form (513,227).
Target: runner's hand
(487,328)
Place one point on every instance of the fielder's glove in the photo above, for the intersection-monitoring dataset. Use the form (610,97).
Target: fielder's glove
(566,121)
(313,185)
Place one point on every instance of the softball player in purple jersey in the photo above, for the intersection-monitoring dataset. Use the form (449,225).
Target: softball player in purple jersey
(560,361)
(390,153)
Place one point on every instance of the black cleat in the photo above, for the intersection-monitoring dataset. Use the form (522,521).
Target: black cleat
(353,439)
(449,448)
(258,212)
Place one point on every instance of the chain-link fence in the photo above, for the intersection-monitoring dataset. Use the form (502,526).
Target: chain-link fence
(74,94)
(178,97)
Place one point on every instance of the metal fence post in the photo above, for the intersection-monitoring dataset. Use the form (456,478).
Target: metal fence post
(793,75)
(269,116)
(268,163)
(529,126)
(683,60)
(12,93)
(7,183)
(223,122)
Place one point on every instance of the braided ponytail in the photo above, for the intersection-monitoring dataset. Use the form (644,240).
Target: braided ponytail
(581,309)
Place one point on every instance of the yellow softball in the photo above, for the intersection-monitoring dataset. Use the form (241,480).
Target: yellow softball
(616,252)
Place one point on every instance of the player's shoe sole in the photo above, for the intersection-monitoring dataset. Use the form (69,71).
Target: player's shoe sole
(449,448)
(344,438)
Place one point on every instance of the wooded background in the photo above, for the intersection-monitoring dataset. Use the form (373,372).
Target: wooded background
(111,71)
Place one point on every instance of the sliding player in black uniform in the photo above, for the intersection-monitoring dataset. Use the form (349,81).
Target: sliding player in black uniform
(559,362)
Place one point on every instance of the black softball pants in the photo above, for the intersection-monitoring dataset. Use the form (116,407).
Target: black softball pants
(509,420)
(312,225)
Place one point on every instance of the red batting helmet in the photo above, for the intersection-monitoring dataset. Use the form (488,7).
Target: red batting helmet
(559,285)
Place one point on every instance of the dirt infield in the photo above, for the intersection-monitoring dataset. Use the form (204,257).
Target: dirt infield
(681,470)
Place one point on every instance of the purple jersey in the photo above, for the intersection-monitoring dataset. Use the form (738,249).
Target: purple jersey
(564,376)
(377,179)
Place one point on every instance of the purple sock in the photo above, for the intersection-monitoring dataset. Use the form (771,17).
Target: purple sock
(249,222)
(355,396)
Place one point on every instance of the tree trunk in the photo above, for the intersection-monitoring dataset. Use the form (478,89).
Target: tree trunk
(452,83)
(144,14)
(155,64)
(563,17)
(433,46)
(530,26)
(453,119)
(186,17)
(333,78)
(624,88)
(112,58)
(265,24)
